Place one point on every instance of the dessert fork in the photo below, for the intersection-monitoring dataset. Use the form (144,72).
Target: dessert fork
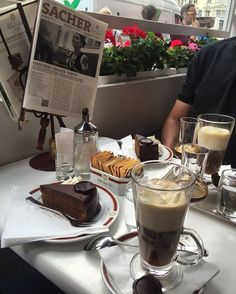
(74,222)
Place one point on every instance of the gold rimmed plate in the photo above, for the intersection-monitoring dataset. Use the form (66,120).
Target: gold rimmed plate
(107,215)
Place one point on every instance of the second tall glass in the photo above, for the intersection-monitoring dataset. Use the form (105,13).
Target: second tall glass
(187,133)
(214,131)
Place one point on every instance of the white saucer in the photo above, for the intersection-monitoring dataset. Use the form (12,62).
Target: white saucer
(120,281)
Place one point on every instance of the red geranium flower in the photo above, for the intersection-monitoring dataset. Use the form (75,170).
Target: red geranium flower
(127,43)
(109,37)
(134,31)
(176,43)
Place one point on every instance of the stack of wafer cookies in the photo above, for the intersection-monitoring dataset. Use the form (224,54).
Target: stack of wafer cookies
(118,166)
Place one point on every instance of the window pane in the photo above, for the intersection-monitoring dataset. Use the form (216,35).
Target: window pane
(133,8)
(210,13)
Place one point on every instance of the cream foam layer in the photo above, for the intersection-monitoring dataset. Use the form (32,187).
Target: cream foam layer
(161,211)
(213,138)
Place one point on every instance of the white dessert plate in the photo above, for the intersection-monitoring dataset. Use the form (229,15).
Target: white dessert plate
(107,215)
(167,154)
(128,150)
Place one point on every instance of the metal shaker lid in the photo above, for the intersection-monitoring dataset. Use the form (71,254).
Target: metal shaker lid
(85,127)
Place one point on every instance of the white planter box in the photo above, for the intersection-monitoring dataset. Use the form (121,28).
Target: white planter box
(140,75)
(182,70)
(170,71)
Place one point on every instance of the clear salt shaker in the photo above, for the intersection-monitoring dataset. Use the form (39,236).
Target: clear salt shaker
(86,140)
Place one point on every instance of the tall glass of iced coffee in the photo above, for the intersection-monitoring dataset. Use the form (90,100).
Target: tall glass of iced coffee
(214,131)
(162,192)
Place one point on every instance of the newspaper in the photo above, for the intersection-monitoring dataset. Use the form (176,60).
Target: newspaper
(65,61)
(14,42)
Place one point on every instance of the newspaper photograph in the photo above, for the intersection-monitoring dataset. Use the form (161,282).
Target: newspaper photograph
(14,55)
(65,61)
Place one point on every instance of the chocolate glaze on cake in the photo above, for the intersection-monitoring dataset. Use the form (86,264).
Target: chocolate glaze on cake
(79,201)
(145,148)
(147,285)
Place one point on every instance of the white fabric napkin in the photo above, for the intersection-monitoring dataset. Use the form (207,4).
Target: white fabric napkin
(127,148)
(26,223)
(117,260)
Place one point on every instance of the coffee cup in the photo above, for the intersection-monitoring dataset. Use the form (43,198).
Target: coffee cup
(162,192)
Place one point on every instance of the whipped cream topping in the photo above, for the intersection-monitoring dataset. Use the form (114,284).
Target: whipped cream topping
(164,197)
(164,210)
(72,181)
(213,138)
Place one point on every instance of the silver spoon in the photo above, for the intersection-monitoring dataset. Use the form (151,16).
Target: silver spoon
(107,241)
(74,222)
(104,241)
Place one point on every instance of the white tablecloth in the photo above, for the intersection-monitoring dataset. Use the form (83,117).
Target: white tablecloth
(76,271)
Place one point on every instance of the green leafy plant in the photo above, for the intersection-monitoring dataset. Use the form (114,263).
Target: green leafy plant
(142,52)
(180,56)
(204,40)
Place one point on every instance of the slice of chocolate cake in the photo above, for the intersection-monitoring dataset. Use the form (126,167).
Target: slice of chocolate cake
(145,148)
(79,201)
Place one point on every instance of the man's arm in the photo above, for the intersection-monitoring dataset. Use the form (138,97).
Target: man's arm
(170,130)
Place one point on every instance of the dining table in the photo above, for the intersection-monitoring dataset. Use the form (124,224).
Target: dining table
(74,270)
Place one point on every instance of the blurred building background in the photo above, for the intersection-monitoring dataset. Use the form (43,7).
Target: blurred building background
(211,13)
